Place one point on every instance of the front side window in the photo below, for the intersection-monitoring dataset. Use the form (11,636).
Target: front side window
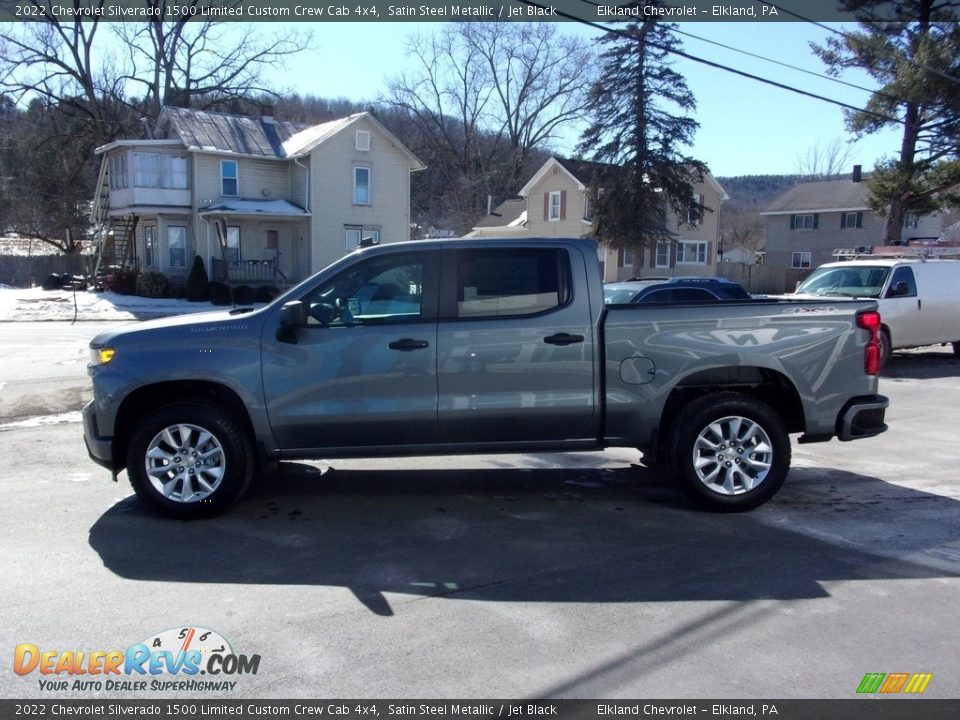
(800,261)
(361,186)
(511,281)
(177,246)
(902,284)
(229,178)
(386,289)
(692,253)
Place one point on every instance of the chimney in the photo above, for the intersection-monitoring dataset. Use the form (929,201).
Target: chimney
(857,173)
(266,114)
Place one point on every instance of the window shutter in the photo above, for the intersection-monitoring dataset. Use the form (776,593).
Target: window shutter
(816,220)
(674,248)
(859,219)
(843,221)
(563,204)
(639,256)
(546,206)
(653,256)
(793,222)
(709,252)
(700,199)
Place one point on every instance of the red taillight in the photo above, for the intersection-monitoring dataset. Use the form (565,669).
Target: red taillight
(869,320)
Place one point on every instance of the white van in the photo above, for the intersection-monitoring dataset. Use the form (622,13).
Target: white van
(919,299)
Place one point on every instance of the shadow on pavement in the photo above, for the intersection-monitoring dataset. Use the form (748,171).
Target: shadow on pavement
(932,362)
(529,535)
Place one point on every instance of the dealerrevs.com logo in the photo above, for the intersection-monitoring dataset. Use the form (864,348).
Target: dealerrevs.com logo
(173,660)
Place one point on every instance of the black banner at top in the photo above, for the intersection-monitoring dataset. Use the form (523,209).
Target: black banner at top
(596,11)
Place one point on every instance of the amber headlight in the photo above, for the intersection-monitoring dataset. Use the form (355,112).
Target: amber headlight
(101,356)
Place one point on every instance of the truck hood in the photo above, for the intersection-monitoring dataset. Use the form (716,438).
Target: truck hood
(202,323)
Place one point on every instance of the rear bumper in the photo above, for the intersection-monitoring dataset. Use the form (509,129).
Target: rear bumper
(99,448)
(862,417)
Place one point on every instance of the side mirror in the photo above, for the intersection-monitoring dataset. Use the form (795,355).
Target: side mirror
(901,289)
(293,316)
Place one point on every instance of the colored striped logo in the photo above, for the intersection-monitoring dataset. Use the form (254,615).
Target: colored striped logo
(892,683)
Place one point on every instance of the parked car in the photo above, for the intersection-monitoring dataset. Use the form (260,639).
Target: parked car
(466,346)
(919,299)
(672,290)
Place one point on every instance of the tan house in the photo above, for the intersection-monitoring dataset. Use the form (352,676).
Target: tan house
(556,203)
(274,201)
(811,220)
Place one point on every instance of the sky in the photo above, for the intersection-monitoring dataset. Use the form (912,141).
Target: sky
(746,127)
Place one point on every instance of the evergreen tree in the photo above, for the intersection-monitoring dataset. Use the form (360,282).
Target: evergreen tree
(639,126)
(911,48)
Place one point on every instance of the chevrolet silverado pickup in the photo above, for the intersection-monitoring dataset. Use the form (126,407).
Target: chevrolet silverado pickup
(479,346)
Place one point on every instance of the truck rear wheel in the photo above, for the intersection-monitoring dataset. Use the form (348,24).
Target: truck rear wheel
(729,452)
(189,460)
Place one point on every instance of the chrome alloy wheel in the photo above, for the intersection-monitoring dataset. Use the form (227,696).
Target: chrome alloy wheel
(185,463)
(732,455)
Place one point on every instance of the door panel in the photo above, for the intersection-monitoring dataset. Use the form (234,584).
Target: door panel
(514,351)
(363,370)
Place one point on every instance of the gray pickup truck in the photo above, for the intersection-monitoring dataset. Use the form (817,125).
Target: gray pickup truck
(470,346)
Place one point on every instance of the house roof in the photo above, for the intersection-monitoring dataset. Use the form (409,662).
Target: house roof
(275,208)
(201,130)
(823,196)
(509,213)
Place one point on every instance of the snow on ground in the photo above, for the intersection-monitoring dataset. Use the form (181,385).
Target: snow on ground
(33,304)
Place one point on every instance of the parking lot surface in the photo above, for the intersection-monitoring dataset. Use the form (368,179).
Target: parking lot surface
(581,576)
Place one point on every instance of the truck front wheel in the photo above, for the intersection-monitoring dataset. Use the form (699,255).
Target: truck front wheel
(729,452)
(189,460)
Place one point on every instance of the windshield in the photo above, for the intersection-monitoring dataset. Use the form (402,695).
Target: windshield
(618,296)
(861,281)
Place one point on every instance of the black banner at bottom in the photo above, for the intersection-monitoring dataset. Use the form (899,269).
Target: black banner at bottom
(871,708)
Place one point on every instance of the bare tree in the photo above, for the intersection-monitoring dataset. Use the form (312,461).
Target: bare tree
(486,98)
(190,62)
(825,160)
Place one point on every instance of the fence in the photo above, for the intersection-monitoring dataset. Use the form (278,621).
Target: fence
(26,271)
(767,279)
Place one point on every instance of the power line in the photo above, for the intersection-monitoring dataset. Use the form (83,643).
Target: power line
(710,63)
(855,39)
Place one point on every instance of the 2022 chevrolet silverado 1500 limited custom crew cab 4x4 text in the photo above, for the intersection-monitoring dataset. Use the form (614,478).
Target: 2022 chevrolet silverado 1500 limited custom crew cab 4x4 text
(467,346)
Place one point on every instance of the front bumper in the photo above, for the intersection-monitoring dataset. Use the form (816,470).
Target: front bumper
(862,417)
(99,448)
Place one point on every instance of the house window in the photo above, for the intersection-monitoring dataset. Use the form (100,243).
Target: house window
(801,261)
(911,221)
(118,171)
(361,186)
(554,207)
(363,141)
(694,212)
(353,234)
(150,245)
(232,251)
(177,246)
(692,253)
(810,221)
(229,178)
(662,259)
(159,171)
(851,220)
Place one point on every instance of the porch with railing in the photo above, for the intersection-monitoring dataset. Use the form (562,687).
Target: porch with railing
(248,271)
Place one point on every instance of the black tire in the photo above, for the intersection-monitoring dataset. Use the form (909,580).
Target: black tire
(751,472)
(886,347)
(214,472)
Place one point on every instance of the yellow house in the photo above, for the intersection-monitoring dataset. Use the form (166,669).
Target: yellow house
(555,202)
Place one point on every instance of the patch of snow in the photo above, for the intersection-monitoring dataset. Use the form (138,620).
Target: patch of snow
(35,304)
(40,420)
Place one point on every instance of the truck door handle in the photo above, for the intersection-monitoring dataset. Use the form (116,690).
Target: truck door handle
(563,339)
(407,344)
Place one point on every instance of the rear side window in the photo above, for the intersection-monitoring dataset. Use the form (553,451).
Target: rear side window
(498,282)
